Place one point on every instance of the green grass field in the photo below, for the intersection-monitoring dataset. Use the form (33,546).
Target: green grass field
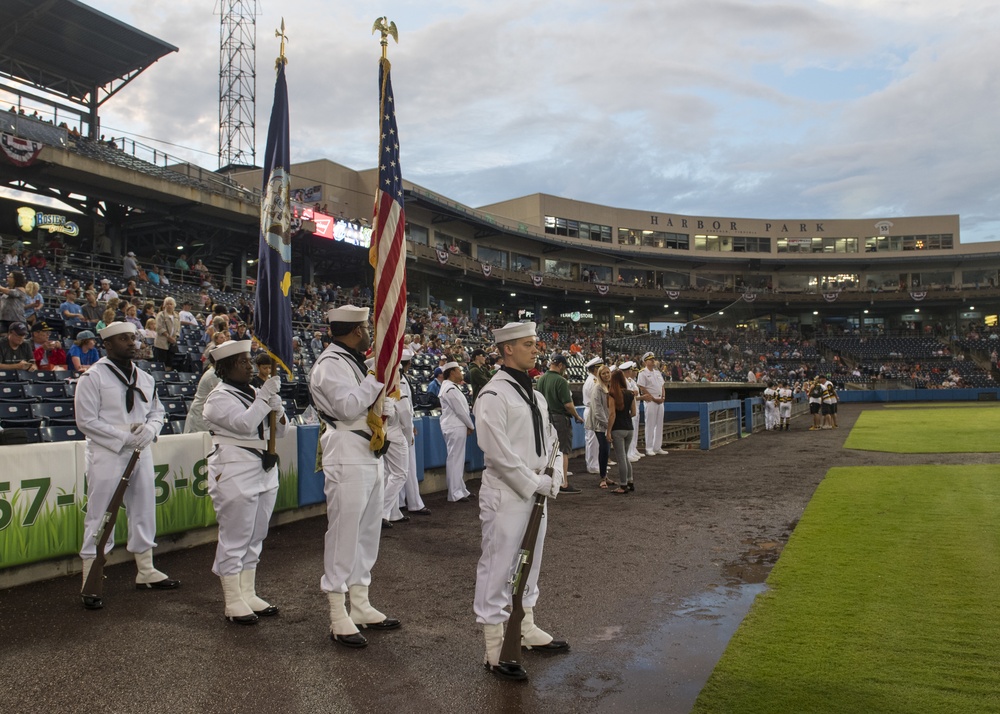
(927,431)
(883,601)
(937,405)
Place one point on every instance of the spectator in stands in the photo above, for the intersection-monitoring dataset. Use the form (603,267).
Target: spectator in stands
(316,344)
(199,267)
(106,293)
(434,388)
(13,300)
(148,312)
(35,301)
(153,275)
(11,259)
(242,334)
(417,344)
(218,338)
(72,314)
(168,329)
(187,317)
(132,315)
(106,319)
(265,368)
(182,264)
(37,260)
(195,421)
(15,351)
(83,353)
(92,311)
(131,291)
(48,353)
(130,266)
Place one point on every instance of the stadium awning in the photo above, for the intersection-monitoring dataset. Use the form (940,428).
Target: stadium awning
(72,50)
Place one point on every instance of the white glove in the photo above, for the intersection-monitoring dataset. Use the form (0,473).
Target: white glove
(141,438)
(269,388)
(389,408)
(547,487)
(274,401)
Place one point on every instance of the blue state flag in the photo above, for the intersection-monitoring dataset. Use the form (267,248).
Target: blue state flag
(272,323)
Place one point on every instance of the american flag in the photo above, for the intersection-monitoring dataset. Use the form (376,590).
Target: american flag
(388,249)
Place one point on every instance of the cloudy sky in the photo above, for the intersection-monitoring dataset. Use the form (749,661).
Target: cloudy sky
(745,108)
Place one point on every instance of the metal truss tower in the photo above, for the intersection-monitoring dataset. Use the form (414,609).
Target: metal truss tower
(238,83)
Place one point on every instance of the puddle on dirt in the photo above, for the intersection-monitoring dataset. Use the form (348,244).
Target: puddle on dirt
(666,673)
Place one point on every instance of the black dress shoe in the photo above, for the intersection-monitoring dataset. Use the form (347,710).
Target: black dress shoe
(463,499)
(385,524)
(267,611)
(165,584)
(243,619)
(422,512)
(355,641)
(553,646)
(631,487)
(92,602)
(389,623)
(401,519)
(507,670)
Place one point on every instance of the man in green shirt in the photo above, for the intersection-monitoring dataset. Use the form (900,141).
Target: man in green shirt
(479,373)
(555,388)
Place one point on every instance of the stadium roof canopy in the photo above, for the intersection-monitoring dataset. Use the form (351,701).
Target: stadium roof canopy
(71,50)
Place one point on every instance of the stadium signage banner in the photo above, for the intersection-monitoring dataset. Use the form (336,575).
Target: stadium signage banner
(28,219)
(714,224)
(43,493)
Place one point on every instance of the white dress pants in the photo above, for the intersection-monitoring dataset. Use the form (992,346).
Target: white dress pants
(243,511)
(504,517)
(654,426)
(410,495)
(104,473)
(397,464)
(590,440)
(354,524)
(454,440)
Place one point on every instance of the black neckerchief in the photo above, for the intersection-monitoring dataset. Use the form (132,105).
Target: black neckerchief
(522,384)
(120,368)
(358,358)
(247,390)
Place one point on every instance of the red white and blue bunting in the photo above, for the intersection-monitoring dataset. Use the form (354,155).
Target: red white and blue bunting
(673,294)
(487,269)
(918,295)
(602,288)
(442,256)
(20,152)
(831,297)
(749,297)
(536,280)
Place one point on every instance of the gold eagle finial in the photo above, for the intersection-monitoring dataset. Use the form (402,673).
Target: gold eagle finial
(386,28)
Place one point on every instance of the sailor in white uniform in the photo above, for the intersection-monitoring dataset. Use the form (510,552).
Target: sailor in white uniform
(590,438)
(342,392)
(629,370)
(243,491)
(456,426)
(117,409)
(409,497)
(397,458)
(516,439)
(650,381)
(770,407)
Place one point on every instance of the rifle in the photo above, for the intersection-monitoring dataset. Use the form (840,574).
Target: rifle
(270,458)
(94,587)
(510,651)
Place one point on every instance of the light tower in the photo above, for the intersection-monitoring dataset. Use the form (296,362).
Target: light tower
(237,83)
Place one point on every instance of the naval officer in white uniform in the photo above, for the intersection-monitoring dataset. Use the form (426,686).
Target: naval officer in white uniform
(590,439)
(516,438)
(650,381)
(342,391)
(456,426)
(243,491)
(117,409)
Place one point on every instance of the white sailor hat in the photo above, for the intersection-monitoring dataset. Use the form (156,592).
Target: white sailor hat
(447,366)
(117,328)
(407,355)
(347,313)
(627,365)
(594,362)
(613,367)
(230,348)
(648,355)
(514,331)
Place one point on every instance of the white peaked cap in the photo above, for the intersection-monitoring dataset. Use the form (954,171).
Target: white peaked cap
(407,355)
(613,368)
(648,355)
(594,362)
(230,348)
(347,313)
(514,331)
(627,365)
(449,365)
(117,328)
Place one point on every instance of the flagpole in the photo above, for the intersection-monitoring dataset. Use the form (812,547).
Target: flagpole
(388,249)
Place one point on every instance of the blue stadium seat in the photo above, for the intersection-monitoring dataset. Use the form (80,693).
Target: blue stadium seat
(49,434)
